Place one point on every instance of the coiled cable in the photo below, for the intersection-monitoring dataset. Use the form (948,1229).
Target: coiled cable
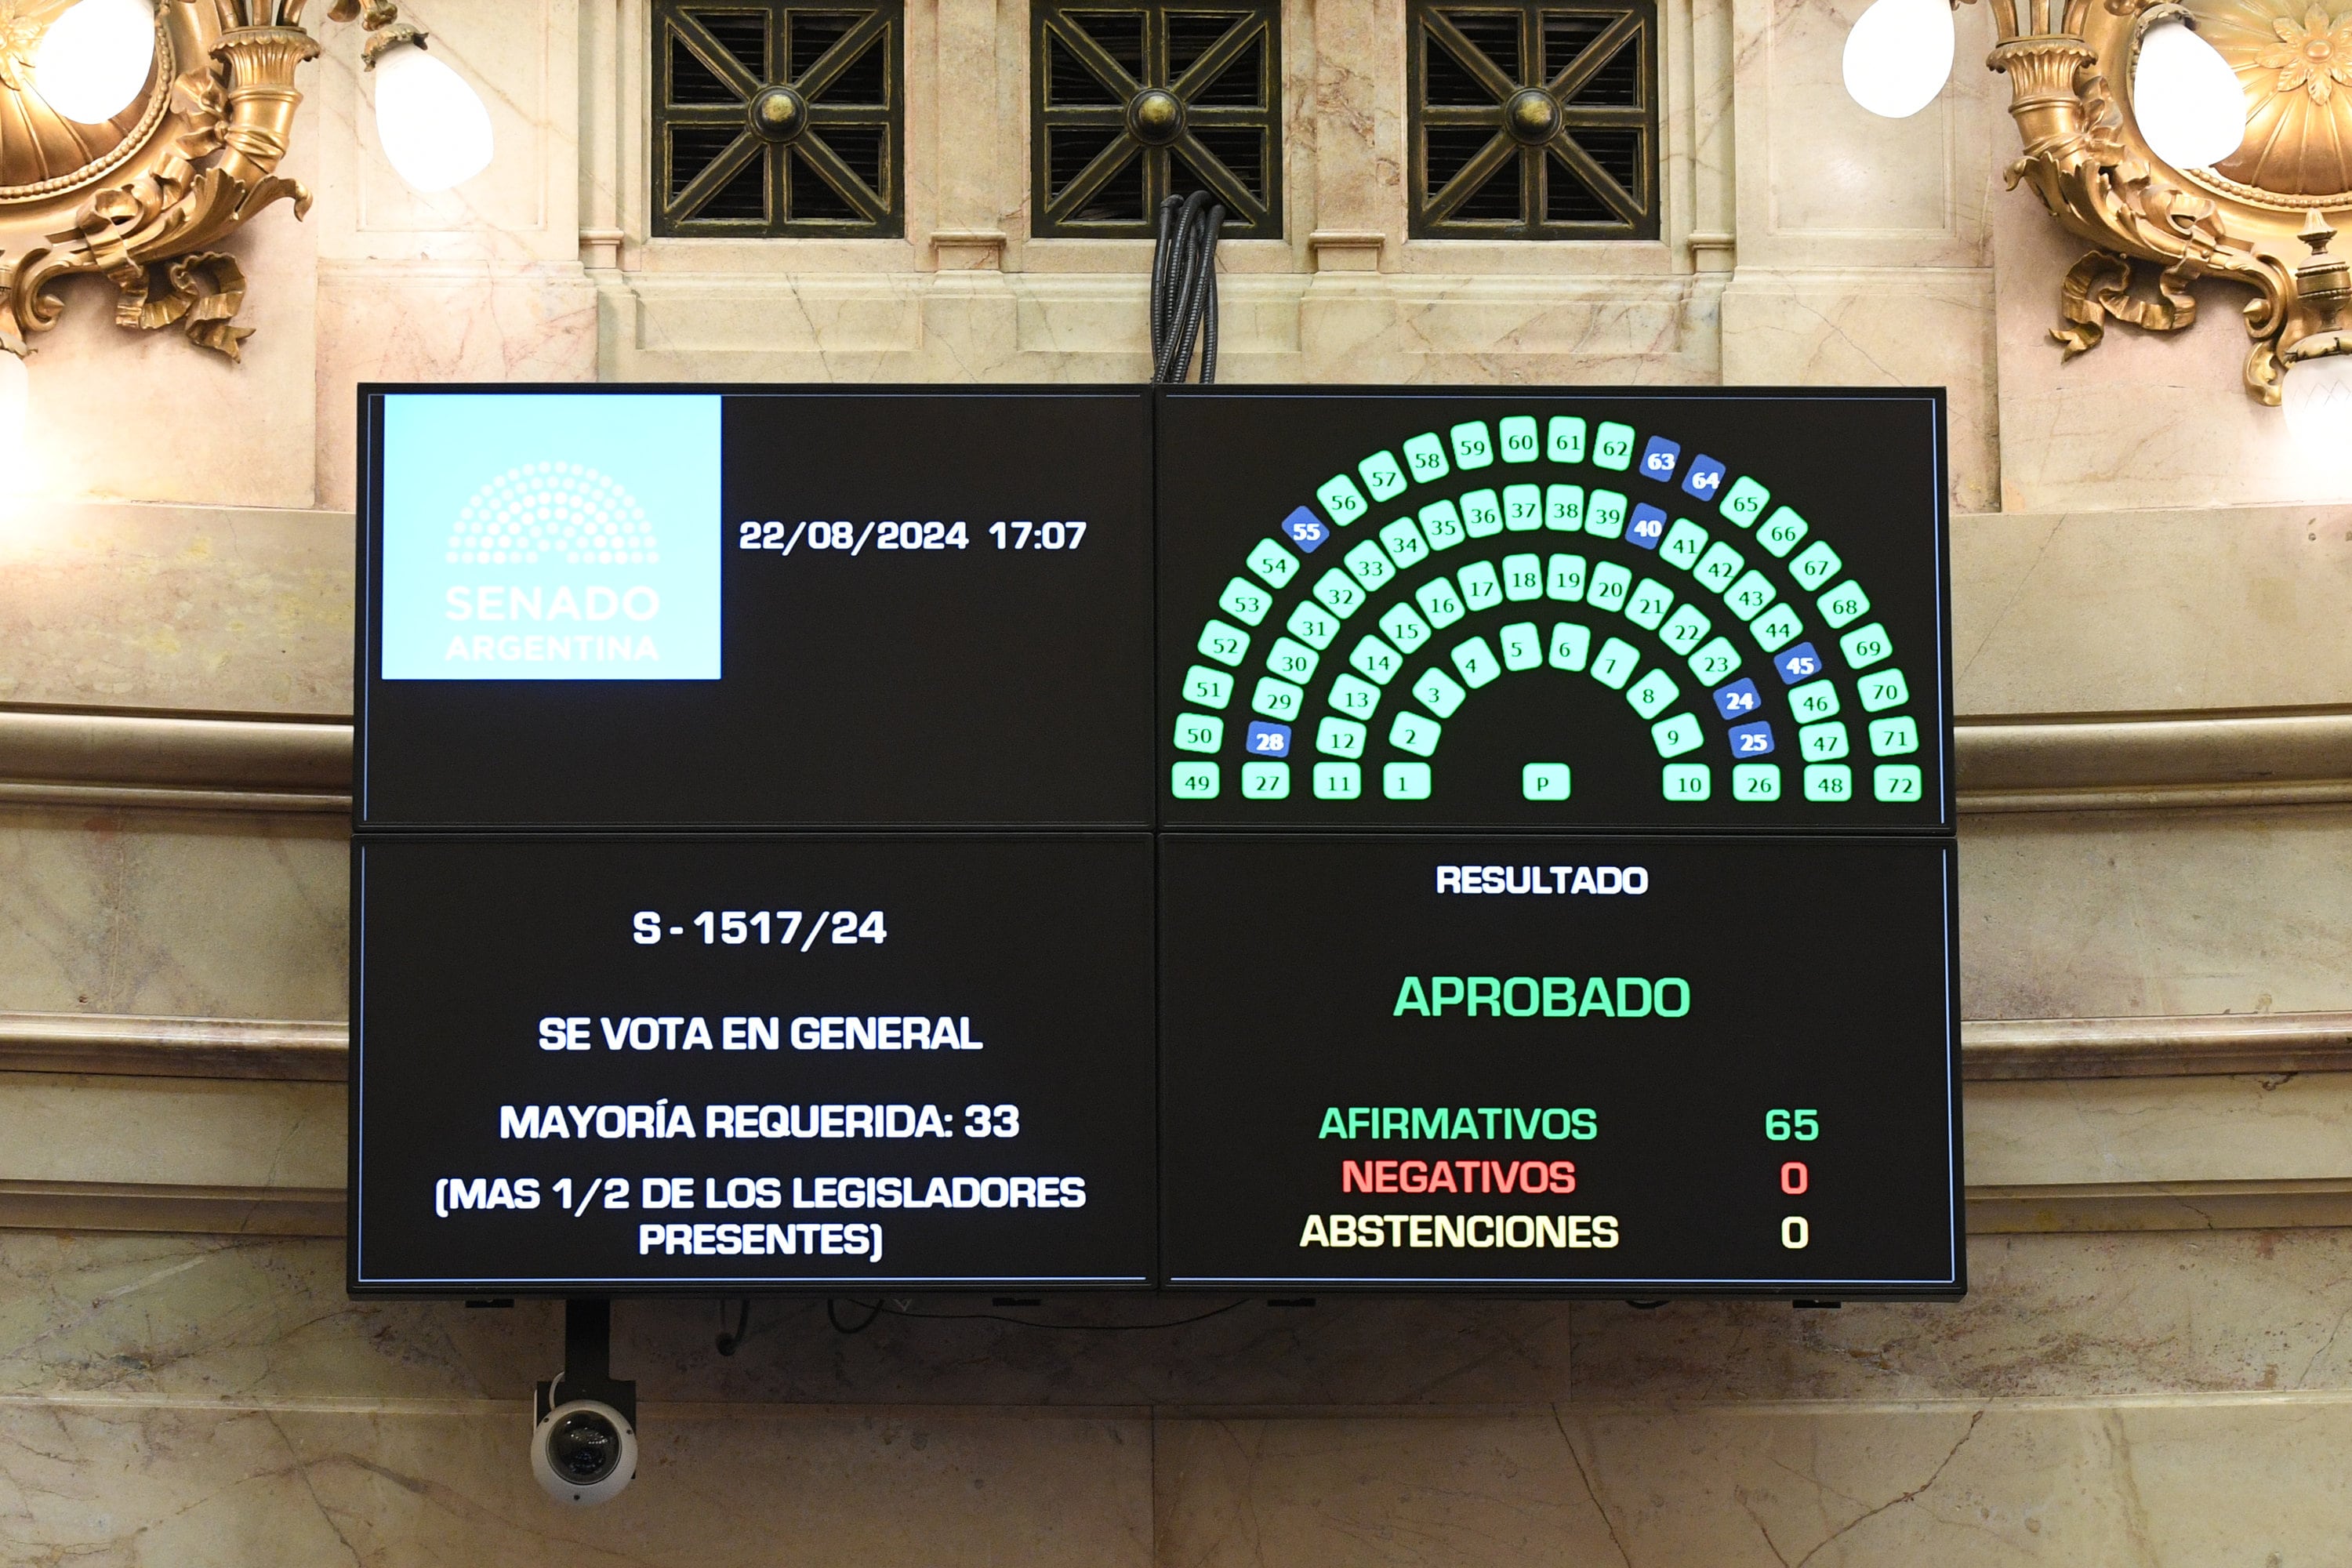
(1184,288)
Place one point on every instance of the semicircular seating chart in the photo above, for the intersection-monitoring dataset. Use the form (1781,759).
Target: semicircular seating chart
(1352,636)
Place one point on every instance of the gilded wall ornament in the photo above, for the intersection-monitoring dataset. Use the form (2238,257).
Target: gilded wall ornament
(2258,220)
(142,199)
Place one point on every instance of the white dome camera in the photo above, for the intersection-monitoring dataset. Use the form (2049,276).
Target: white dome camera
(584,1452)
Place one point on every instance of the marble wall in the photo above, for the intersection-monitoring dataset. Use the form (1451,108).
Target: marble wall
(2134,539)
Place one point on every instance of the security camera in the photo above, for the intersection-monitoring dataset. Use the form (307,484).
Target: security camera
(583,1448)
(584,1452)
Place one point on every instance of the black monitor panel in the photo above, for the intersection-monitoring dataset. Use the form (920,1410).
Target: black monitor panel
(639,1063)
(620,607)
(1203,839)
(1552,609)
(1616,1066)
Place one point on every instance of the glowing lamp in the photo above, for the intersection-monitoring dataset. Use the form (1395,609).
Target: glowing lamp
(1899,55)
(2186,97)
(431,122)
(93,59)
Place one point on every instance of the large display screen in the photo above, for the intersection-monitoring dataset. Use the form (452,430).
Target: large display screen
(1057,838)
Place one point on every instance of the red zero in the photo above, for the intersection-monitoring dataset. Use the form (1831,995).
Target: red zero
(1795,1178)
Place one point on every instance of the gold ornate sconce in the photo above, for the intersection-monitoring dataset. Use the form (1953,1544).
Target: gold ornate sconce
(142,199)
(2259,219)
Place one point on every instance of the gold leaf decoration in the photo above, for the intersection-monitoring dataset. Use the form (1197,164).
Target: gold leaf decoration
(2294,58)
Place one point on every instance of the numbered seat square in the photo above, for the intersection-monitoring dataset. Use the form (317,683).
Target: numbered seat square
(1828,783)
(1246,601)
(1564,578)
(1193,781)
(1375,660)
(1615,665)
(1783,531)
(1605,514)
(1739,699)
(1545,781)
(1442,525)
(1356,698)
(1369,565)
(1339,781)
(1683,630)
(1613,445)
(1897,782)
(1519,439)
(1226,643)
(1798,663)
(1743,503)
(1570,645)
(1685,543)
(1523,577)
(1477,661)
(1776,627)
(1752,739)
(1336,737)
(1564,438)
(1523,509)
(1271,561)
(1659,458)
(1611,586)
(1564,508)
(1756,782)
(1414,733)
(1844,604)
(1311,623)
(1266,740)
(1815,565)
(1342,501)
(1688,783)
(1482,514)
(1472,447)
(1266,781)
(1277,699)
(1822,743)
(1482,585)
(1402,540)
(1199,733)
(1383,476)
(1403,626)
(1896,737)
(1339,591)
(1653,694)
(1677,736)
(1866,645)
(1522,646)
(1405,780)
(1305,531)
(1208,688)
(1703,477)
(1439,692)
(1424,458)
(1712,662)
(1293,661)
(1647,528)
(1440,601)
(1882,690)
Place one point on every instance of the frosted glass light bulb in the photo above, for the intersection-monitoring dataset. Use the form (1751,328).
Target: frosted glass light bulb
(431,122)
(1899,55)
(2187,98)
(15,404)
(2317,400)
(94,58)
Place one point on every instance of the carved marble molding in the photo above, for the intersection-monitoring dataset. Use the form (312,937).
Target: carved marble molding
(93,757)
(1991,1049)
(173,1210)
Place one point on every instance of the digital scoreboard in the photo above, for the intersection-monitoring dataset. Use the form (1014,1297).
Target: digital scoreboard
(959,838)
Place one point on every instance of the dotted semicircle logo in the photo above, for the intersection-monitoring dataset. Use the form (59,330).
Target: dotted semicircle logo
(551,512)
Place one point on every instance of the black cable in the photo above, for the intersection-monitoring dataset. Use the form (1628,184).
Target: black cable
(730,1343)
(1185,287)
(833,1316)
(881,1307)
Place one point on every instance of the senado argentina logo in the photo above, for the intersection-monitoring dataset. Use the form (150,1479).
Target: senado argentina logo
(553,511)
(545,536)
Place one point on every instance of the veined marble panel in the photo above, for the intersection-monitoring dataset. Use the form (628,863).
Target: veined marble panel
(2145,419)
(2116,914)
(172,1131)
(261,1486)
(2130,612)
(440,322)
(166,1319)
(1908,327)
(220,608)
(2274,1127)
(180,913)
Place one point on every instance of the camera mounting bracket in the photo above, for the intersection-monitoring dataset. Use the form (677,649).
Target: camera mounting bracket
(588,1363)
